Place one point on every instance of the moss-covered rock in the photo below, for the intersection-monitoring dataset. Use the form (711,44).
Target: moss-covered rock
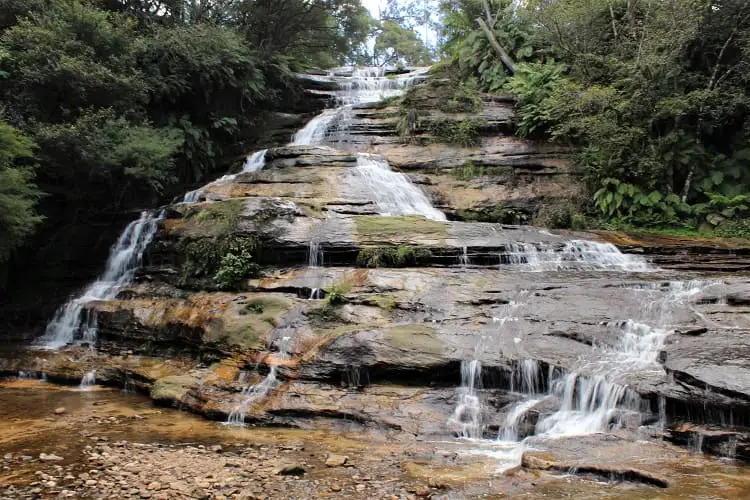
(414,227)
(172,389)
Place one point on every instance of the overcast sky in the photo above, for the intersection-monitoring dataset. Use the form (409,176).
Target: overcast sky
(372,5)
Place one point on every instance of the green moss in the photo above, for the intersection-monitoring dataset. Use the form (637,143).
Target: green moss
(172,389)
(464,133)
(387,228)
(341,330)
(418,338)
(216,219)
(385,301)
(324,315)
(246,324)
(399,256)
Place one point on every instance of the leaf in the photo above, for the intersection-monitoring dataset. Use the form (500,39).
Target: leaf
(717,178)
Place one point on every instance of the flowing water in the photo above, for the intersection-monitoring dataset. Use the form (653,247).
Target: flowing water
(574,254)
(393,193)
(124,259)
(594,397)
(591,397)
(255,392)
(254,162)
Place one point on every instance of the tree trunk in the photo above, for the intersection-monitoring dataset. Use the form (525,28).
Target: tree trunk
(614,24)
(496,45)
(631,15)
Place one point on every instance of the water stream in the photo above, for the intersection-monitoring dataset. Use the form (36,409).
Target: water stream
(124,259)
(594,397)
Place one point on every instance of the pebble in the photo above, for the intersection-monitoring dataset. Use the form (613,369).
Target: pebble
(44,457)
(59,411)
(336,460)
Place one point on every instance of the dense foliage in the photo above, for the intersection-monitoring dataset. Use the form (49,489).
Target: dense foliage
(653,94)
(127,101)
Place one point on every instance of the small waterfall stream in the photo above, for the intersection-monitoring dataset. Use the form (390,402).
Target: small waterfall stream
(125,257)
(255,161)
(393,193)
(593,398)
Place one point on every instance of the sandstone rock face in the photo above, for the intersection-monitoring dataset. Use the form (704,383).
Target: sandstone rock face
(356,320)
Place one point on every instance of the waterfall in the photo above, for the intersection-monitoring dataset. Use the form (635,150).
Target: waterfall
(467,417)
(393,193)
(358,86)
(593,400)
(463,259)
(124,258)
(254,162)
(574,254)
(88,381)
(314,261)
(253,393)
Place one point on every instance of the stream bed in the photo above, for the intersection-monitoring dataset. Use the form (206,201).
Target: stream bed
(65,442)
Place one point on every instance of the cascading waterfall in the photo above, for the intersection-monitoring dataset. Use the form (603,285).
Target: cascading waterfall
(574,254)
(254,162)
(125,257)
(359,86)
(467,419)
(393,193)
(592,399)
(254,392)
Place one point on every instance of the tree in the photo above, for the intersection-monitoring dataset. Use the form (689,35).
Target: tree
(395,44)
(18,193)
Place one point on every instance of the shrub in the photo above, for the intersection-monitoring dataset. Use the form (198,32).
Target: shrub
(400,256)
(464,133)
(226,260)
(734,229)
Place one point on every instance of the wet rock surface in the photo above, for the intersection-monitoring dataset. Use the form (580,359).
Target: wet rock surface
(116,445)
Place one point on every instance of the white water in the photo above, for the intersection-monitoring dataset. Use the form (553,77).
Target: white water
(463,259)
(467,417)
(124,258)
(392,192)
(359,86)
(467,420)
(593,399)
(574,254)
(255,392)
(88,381)
(254,162)
(314,261)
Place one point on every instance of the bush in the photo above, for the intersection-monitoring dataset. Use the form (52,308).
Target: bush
(734,229)
(225,260)
(464,133)
(468,171)
(336,295)
(400,256)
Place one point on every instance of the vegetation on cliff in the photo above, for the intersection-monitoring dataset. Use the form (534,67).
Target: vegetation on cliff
(652,94)
(127,101)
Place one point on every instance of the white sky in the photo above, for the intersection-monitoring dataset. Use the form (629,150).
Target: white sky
(372,5)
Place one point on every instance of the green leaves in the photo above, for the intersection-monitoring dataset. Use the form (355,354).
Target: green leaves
(533,85)
(18,193)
